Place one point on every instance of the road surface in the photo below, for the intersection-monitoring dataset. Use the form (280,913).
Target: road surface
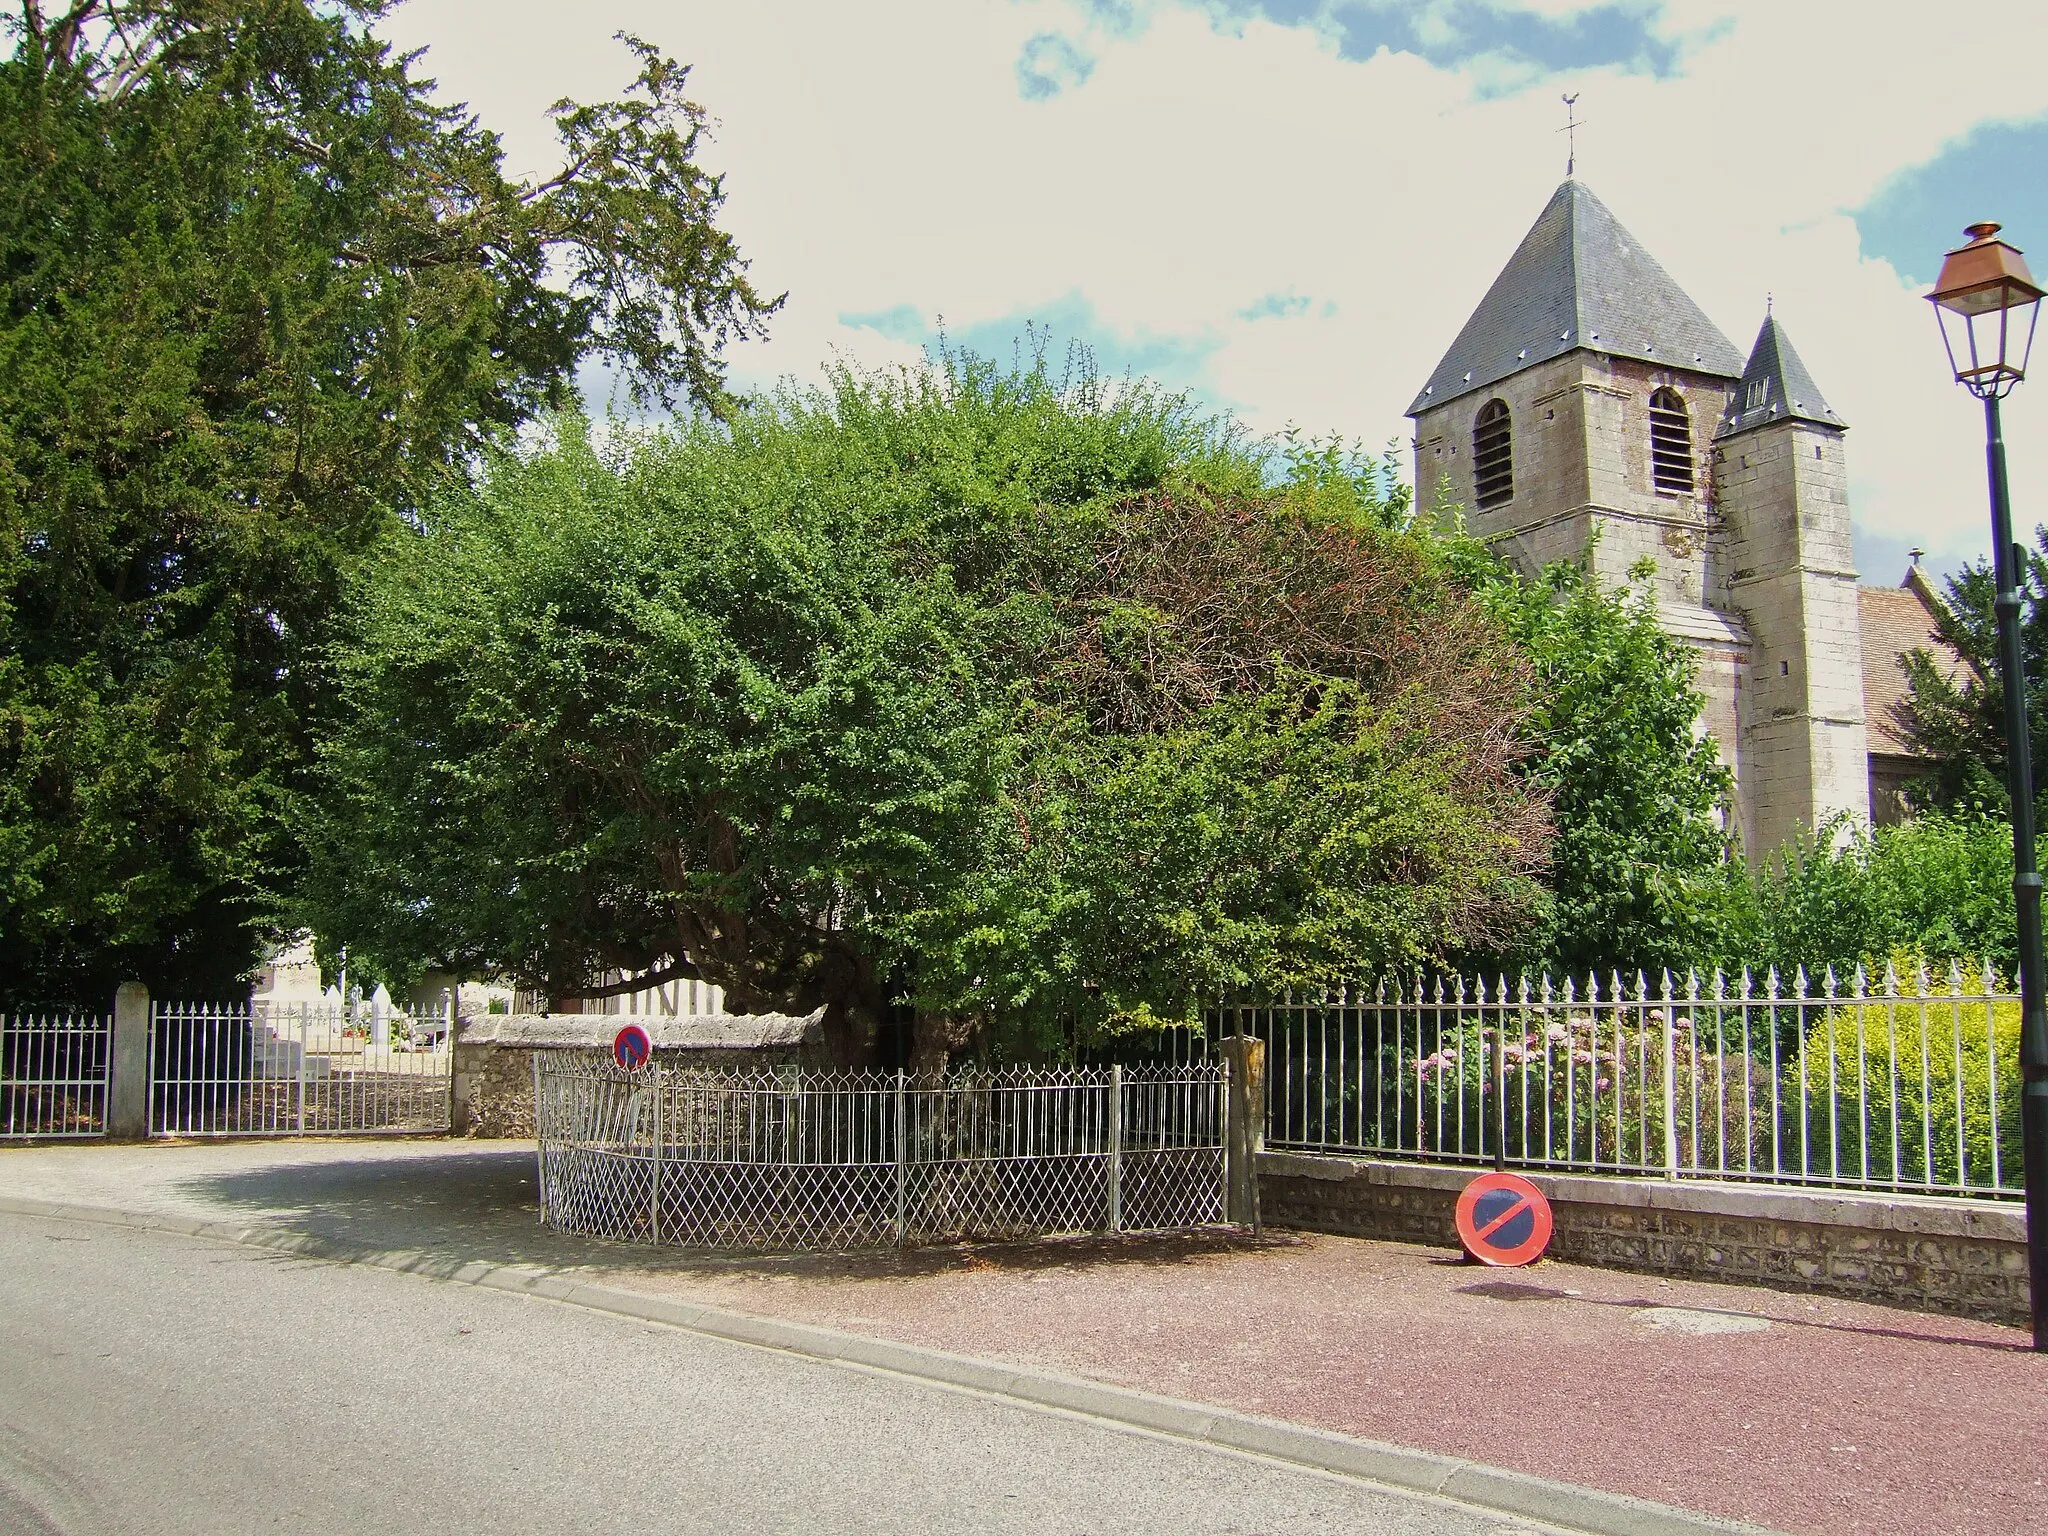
(154,1383)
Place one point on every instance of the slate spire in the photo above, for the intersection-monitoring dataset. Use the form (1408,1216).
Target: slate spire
(1775,386)
(1578,280)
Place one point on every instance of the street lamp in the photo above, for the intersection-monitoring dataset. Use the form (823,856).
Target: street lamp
(1988,305)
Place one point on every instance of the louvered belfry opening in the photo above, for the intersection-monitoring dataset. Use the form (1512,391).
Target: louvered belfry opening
(1493,455)
(1670,444)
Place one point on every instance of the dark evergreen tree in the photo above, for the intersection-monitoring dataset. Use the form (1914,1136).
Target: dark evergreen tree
(260,295)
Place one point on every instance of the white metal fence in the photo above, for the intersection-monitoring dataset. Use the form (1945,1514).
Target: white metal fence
(54,1074)
(752,1160)
(230,1069)
(1906,1083)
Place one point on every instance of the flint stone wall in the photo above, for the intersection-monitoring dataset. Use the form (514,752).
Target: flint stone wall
(493,1095)
(1967,1258)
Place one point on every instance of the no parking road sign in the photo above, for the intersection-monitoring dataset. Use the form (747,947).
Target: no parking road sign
(631,1048)
(1503,1220)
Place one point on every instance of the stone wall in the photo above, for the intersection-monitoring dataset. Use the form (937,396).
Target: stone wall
(1580,428)
(1965,1257)
(493,1093)
(493,1065)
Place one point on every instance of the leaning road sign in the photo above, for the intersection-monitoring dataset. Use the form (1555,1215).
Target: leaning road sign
(1503,1220)
(631,1047)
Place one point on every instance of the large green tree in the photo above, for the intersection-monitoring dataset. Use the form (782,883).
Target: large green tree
(1642,872)
(261,293)
(1026,702)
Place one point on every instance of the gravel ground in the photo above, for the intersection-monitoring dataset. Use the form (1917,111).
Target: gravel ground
(1808,1415)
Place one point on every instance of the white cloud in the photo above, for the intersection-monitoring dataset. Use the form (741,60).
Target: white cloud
(884,155)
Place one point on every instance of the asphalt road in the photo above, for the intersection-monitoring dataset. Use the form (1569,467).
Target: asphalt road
(153,1383)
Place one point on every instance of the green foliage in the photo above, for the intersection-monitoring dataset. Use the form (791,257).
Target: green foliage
(259,296)
(1886,1086)
(1641,874)
(1939,886)
(1638,865)
(1960,723)
(1021,698)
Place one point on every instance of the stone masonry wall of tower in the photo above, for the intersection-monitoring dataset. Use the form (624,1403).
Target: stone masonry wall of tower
(1783,494)
(1581,459)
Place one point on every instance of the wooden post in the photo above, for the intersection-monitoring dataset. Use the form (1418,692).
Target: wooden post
(1244,1126)
(1116,1145)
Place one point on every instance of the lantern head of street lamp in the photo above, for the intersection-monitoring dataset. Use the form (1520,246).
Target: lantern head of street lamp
(1988,304)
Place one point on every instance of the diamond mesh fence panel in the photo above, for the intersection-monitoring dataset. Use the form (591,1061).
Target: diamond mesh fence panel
(783,1160)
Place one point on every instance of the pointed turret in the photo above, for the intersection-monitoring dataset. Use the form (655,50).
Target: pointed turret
(1775,386)
(1578,280)
(1781,486)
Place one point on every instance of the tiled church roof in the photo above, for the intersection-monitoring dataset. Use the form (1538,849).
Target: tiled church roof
(1896,622)
(1775,387)
(1578,279)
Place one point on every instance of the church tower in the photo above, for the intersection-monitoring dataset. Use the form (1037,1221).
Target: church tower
(1782,492)
(1576,417)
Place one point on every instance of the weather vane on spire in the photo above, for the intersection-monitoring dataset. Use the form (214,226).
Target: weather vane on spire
(1571,127)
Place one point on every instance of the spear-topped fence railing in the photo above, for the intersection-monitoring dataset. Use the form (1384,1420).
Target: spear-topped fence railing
(54,1074)
(1904,1082)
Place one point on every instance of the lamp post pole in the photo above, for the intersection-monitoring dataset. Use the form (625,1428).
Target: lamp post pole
(1989,305)
(2008,563)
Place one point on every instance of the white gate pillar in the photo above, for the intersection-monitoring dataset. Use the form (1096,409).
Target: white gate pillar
(128,1091)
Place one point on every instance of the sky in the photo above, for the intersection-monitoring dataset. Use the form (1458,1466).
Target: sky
(1289,207)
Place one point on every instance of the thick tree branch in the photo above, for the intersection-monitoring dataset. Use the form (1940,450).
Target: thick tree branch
(675,970)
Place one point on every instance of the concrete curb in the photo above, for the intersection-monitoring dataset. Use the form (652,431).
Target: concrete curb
(1494,1490)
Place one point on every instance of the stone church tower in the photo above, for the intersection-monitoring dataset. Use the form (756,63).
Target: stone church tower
(1589,411)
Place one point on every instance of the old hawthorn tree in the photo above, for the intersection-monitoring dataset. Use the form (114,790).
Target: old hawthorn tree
(260,295)
(1020,703)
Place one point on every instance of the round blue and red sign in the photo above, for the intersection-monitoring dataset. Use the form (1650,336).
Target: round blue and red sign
(631,1047)
(1503,1220)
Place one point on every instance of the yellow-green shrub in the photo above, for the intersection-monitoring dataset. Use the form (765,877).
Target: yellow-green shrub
(1901,1069)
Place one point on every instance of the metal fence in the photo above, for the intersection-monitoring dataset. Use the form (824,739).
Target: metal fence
(754,1160)
(230,1069)
(1906,1083)
(54,1074)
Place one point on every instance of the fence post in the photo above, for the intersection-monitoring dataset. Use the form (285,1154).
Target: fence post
(902,1147)
(540,1144)
(448,1043)
(305,1035)
(128,1095)
(1500,1082)
(654,1214)
(1244,1126)
(1116,1145)
(1670,1085)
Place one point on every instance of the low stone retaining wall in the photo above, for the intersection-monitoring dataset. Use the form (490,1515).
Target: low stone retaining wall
(1966,1257)
(493,1066)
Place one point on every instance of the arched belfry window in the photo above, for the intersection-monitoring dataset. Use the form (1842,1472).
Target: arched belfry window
(1493,456)
(1670,443)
